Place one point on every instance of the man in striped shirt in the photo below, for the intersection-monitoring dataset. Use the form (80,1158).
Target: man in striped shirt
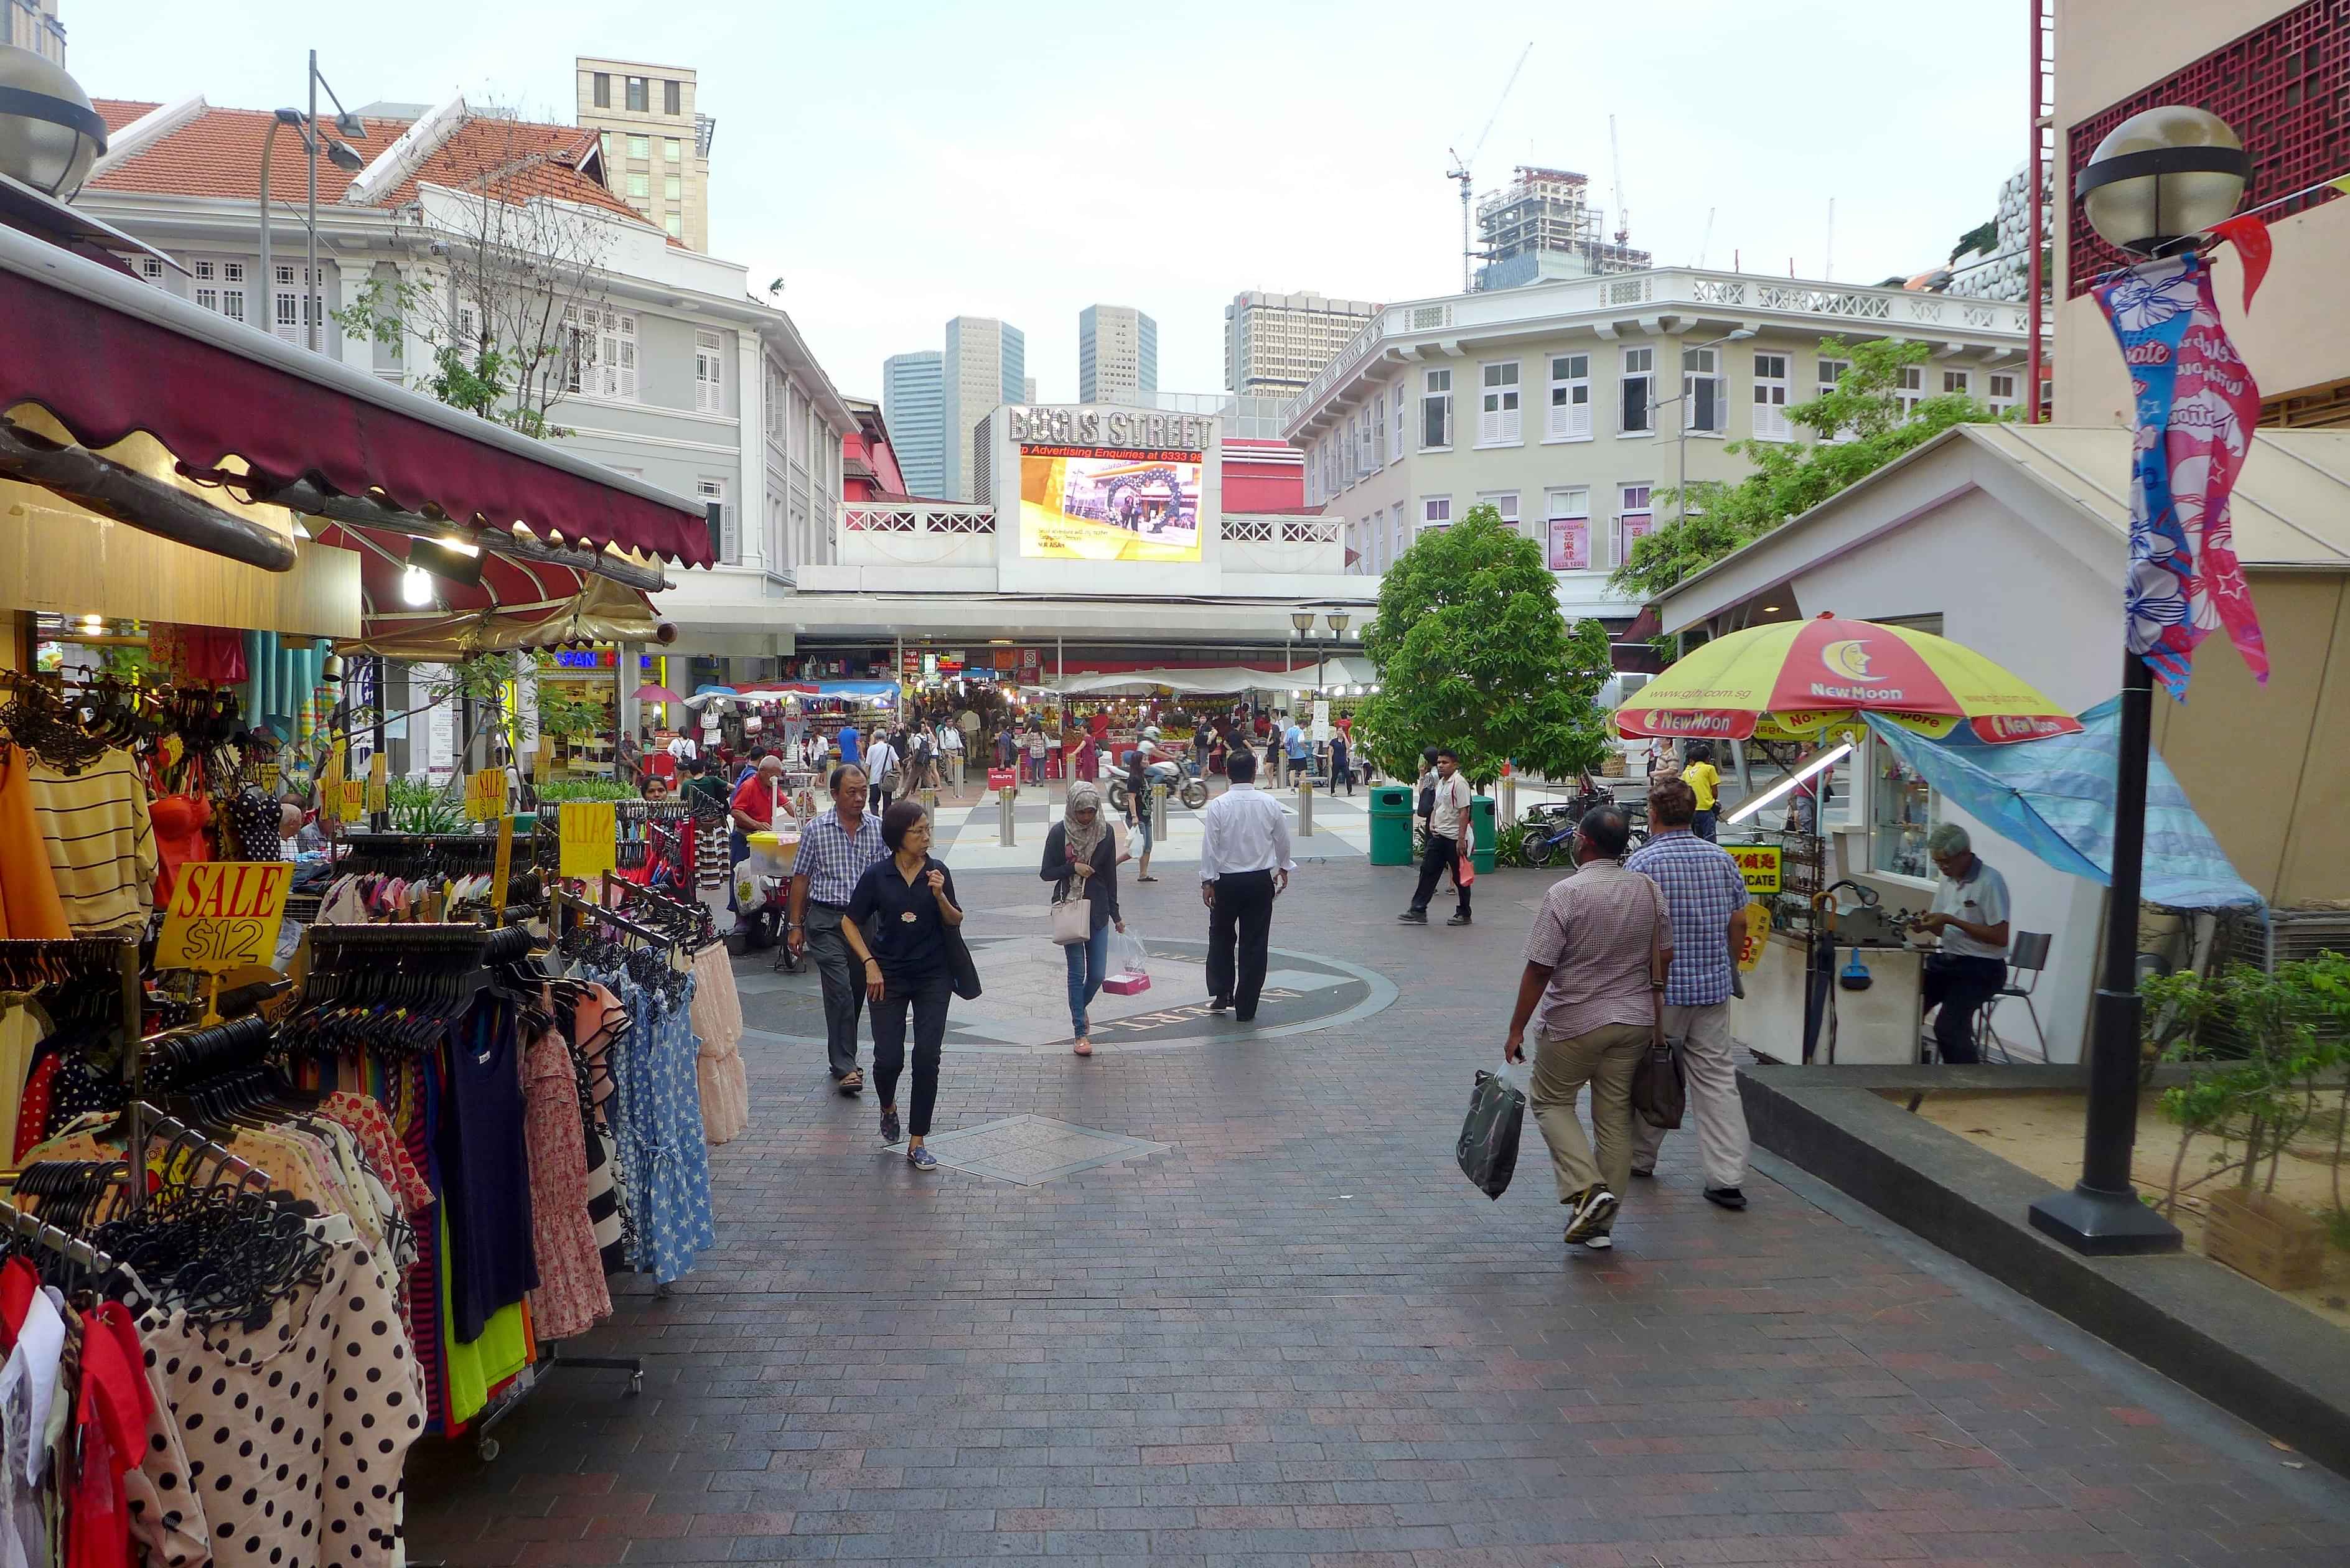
(835,850)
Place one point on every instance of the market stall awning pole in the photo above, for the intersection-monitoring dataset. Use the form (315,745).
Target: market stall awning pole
(149,505)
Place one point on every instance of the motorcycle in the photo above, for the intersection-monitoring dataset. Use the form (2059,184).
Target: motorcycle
(1181,785)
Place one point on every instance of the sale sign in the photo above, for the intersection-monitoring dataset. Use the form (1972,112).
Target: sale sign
(485,794)
(592,839)
(224,914)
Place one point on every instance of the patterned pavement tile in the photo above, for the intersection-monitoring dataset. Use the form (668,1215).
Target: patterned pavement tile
(1277,1330)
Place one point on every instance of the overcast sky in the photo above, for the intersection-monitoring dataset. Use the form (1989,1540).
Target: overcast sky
(900,163)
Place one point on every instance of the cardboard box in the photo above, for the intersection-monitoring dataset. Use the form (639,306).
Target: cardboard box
(2260,1235)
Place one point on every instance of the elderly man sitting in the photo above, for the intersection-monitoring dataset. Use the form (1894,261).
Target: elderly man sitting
(1970,916)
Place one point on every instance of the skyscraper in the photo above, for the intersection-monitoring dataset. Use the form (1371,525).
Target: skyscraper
(1274,343)
(913,405)
(656,141)
(1118,353)
(986,366)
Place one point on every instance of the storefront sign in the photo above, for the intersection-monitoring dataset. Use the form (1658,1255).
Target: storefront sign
(1110,426)
(1759,864)
(592,839)
(485,794)
(1002,778)
(224,914)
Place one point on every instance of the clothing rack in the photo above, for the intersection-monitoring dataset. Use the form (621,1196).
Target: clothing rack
(85,956)
(65,1243)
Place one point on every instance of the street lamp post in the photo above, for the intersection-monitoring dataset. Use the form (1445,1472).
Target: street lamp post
(2151,188)
(343,156)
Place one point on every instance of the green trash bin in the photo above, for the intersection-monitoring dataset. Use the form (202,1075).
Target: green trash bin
(1391,825)
(1481,814)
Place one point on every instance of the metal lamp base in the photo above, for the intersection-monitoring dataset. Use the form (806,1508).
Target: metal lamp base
(2105,1224)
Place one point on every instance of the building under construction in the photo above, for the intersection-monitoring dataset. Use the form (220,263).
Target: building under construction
(1542,225)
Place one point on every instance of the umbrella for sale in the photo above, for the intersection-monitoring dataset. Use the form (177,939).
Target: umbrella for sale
(652,693)
(1799,680)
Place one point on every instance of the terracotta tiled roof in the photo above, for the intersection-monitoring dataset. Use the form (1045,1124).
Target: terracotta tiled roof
(515,157)
(218,153)
(119,112)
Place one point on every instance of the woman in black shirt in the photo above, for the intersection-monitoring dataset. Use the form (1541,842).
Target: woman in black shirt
(908,901)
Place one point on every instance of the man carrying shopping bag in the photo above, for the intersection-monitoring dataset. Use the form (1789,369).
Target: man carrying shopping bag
(1592,961)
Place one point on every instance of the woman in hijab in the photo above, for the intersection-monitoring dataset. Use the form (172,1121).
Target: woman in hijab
(1081,850)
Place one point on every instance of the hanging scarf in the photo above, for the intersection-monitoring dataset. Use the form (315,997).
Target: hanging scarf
(1084,838)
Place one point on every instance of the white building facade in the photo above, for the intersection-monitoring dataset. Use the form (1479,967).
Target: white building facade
(693,386)
(1568,405)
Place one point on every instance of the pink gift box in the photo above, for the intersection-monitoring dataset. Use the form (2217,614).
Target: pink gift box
(1126,985)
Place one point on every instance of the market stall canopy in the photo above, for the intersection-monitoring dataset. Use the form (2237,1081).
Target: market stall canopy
(1226,680)
(1797,679)
(107,356)
(515,604)
(869,690)
(2055,798)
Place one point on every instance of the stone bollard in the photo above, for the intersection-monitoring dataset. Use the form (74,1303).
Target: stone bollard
(1305,808)
(1006,811)
(1158,814)
(1505,802)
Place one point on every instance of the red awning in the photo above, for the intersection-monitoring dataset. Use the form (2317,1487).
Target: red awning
(107,355)
(516,604)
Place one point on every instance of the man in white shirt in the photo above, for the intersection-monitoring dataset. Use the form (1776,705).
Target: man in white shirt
(1244,865)
(951,751)
(882,762)
(1449,829)
(1969,914)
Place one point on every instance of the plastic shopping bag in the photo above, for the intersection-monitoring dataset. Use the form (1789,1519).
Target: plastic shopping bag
(1488,1152)
(1129,965)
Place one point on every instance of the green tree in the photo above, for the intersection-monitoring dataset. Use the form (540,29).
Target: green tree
(1472,653)
(1864,415)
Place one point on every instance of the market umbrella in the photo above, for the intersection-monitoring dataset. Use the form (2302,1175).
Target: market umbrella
(1798,680)
(652,693)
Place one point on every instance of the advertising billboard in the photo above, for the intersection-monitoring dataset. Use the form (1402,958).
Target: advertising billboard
(1080,503)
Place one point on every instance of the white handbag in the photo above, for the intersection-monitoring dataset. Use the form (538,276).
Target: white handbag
(1073,920)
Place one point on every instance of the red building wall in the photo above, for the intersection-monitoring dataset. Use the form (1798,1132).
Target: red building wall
(1263,476)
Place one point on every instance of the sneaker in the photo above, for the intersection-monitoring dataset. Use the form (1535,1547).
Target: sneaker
(1460,919)
(922,1159)
(1728,1197)
(1220,1003)
(1414,916)
(889,1129)
(1593,1212)
(1603,1242)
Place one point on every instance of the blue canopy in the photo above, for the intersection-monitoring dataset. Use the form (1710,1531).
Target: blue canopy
(2055,797)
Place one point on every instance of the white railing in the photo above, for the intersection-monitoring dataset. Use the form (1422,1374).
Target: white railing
(920,517)
(1249,530)
(1659,290)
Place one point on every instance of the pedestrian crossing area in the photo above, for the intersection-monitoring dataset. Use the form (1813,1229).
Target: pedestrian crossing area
(968,836)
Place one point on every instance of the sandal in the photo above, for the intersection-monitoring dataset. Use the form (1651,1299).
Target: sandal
(851,1081)
(1084,1047)
(1146,878)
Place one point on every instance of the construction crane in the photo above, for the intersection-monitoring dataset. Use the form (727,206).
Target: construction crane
(1623,214)
(1459,170)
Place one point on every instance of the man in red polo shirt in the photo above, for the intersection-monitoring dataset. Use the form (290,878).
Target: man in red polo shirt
(754,809)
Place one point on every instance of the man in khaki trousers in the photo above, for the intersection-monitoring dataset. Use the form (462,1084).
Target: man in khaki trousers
(1595,960)
(1707,896)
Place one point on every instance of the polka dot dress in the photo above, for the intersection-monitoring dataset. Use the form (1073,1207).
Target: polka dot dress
(294,1435)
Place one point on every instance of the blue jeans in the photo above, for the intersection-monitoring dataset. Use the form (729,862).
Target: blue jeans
(1088,967)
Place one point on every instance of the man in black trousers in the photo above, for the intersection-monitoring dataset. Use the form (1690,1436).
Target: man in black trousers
(1244,865)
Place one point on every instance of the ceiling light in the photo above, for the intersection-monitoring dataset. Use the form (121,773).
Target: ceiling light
(91,625)
(415,588)
(1770,610)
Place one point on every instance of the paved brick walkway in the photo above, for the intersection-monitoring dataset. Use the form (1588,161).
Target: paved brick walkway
(1297,1339)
